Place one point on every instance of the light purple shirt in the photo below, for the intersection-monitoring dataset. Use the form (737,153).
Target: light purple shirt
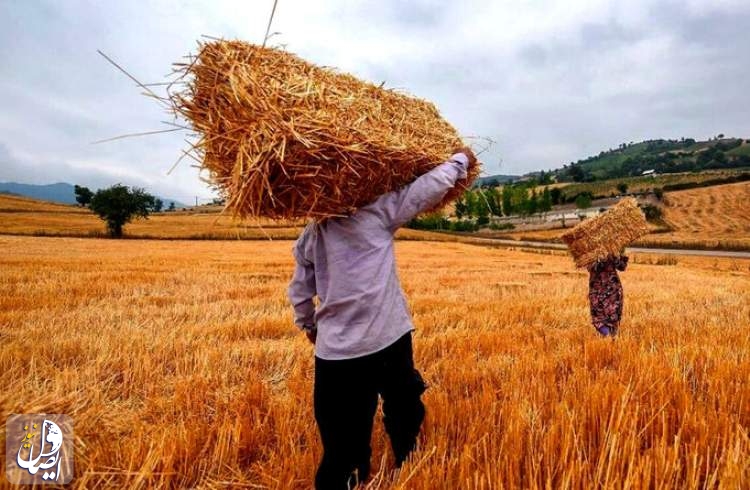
(350,265)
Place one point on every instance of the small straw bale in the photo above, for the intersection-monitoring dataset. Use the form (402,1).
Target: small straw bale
(607,234)
(282,138)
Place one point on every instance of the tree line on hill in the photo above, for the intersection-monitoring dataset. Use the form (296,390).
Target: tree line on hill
(475,207)
(660,156)
(516,199)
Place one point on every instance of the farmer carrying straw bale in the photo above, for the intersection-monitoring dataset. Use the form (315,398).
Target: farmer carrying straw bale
(284,139)
(362,326)
(598,245)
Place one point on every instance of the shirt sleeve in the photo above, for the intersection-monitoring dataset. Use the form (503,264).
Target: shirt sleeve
(302,288)
(398,207)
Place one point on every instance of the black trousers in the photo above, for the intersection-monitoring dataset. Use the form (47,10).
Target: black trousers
(346,397)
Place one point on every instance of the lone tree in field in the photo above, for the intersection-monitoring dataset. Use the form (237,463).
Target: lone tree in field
(119,204)
(83,195)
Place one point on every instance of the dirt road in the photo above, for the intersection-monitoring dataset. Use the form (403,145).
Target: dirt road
(667,251)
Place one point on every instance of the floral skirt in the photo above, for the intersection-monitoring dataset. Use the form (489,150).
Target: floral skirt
(605,297)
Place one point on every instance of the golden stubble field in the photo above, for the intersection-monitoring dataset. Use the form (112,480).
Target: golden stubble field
(180,366)
(710,218)
(718,213)
(24,216)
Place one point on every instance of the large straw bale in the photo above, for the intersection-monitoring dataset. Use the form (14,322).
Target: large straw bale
(607,234)
(282,138)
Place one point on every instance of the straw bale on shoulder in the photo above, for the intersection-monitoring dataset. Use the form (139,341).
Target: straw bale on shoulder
(607,234)
(282,138)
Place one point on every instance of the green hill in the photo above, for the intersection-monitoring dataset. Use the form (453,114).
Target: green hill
(661,156)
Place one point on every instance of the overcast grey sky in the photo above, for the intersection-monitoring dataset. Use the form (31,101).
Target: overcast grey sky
(549,81)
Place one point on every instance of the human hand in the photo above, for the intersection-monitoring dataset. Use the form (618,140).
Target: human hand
(311,335)
(469,154)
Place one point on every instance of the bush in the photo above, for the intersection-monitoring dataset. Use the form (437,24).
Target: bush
(652,212)
(556,196)
(438,221)
(583,200)
(432,221)
(463,225)
(502,226)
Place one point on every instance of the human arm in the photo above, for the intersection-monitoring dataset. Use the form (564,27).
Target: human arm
(398,207)
(302,290)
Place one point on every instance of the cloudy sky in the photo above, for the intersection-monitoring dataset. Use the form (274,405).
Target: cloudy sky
(548,81)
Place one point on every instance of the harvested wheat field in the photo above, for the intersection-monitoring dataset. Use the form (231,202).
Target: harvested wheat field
(712,215)
(180,366)
(24,216)
(29,217)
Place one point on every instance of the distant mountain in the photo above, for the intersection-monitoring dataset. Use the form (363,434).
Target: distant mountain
(495,180)
(61,192)
(661,156)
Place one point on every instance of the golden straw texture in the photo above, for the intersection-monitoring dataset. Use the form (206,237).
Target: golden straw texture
(282,138)
(607,234)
